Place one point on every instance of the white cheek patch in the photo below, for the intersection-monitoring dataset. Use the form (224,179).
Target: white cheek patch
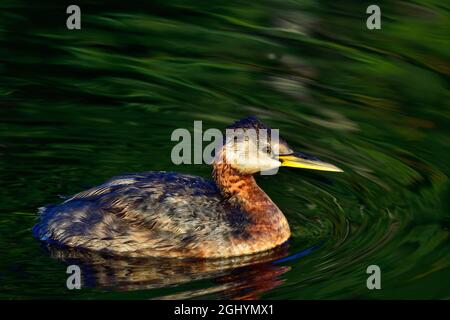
(250,151)
(270,167)
(246,157)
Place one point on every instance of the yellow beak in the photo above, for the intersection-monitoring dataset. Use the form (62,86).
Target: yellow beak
(304,161)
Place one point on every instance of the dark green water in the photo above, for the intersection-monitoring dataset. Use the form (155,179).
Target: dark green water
(77,107)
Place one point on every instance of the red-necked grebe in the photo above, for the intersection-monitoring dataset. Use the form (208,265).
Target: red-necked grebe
(168,214)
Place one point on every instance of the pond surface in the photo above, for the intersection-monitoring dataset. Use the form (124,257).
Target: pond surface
(77,107)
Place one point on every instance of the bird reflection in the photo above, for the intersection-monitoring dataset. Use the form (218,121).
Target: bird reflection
(245,277)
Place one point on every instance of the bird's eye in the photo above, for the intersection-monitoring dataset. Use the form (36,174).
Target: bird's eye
(267,149)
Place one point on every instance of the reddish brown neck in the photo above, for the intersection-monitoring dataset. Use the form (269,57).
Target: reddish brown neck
(269,227)
(243,189)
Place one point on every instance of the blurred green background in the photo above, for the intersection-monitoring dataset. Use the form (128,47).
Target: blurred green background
(77,107)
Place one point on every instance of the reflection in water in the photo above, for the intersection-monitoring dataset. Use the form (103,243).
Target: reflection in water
(235,278)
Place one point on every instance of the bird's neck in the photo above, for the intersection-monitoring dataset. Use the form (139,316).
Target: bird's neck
(242,190)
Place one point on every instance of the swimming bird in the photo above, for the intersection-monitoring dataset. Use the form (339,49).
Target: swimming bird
(168,214)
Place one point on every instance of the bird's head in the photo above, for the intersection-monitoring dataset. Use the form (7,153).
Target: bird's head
(251,147)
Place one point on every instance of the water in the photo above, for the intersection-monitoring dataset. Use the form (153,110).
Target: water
(79,107)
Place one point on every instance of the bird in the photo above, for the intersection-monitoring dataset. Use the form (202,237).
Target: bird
(174,215)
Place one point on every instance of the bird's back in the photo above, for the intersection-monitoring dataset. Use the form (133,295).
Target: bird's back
(145,214)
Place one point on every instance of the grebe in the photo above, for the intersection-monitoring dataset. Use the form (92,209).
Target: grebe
(167,214)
